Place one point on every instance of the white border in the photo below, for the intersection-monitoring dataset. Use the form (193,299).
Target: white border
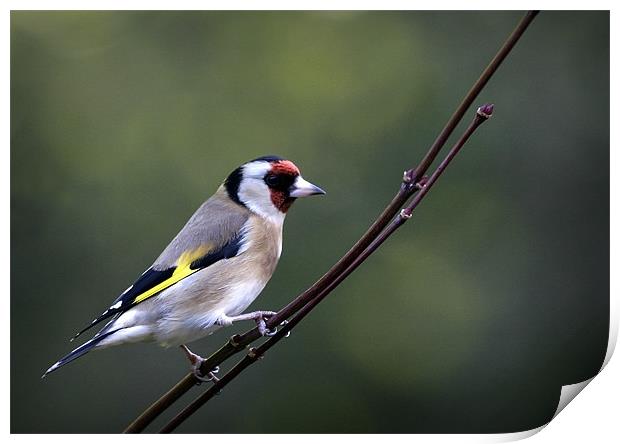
(308,5)
(593,417)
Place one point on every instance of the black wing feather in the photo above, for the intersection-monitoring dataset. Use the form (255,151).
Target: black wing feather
(151,278)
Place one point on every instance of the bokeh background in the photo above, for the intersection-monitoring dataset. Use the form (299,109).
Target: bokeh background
(468,320)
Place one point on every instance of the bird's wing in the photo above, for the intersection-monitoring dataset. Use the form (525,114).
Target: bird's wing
(213,233)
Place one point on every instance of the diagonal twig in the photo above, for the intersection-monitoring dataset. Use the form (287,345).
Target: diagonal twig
(254,354)
(407,189)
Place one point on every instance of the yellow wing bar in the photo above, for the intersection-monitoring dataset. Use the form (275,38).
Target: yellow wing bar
(182,270)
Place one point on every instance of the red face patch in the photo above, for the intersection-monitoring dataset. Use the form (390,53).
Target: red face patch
(284,172)
(281,200)
(285,167)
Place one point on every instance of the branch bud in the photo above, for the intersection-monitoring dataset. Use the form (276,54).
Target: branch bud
(486,110)
(408,176)
(252,353)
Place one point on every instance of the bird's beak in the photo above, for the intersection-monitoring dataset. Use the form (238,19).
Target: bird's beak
(303,188)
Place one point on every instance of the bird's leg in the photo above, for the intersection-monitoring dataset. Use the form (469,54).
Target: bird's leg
(196,362)
(259,316)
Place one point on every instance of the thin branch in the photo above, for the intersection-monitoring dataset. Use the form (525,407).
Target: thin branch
(254,354)
(412,176)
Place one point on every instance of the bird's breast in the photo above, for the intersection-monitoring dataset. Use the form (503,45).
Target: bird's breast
(262,245)
(228,286)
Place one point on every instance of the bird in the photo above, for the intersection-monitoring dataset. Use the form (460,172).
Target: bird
(212,270)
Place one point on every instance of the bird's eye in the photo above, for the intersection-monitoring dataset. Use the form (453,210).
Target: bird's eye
(272,180)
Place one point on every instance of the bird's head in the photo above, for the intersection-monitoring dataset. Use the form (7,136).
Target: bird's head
(268,186)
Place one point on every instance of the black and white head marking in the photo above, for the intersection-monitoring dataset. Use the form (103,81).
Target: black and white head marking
(268,186)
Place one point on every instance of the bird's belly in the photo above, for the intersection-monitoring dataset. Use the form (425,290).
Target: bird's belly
(190,309)
(241,296)
(204,302)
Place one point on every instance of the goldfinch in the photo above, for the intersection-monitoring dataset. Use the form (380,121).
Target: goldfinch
(213,269)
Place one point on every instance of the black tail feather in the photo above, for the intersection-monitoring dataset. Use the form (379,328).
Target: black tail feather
(80,351)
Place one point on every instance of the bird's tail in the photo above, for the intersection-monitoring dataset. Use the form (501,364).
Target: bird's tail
(80,351)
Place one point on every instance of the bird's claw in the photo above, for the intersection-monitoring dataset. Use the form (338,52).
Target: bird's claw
(196,363)
(261,317)
(265,314)
(282,324)
(262,327)
(263,330)
(209,377)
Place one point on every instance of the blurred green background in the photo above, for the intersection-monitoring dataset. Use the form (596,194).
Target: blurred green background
(468,320)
